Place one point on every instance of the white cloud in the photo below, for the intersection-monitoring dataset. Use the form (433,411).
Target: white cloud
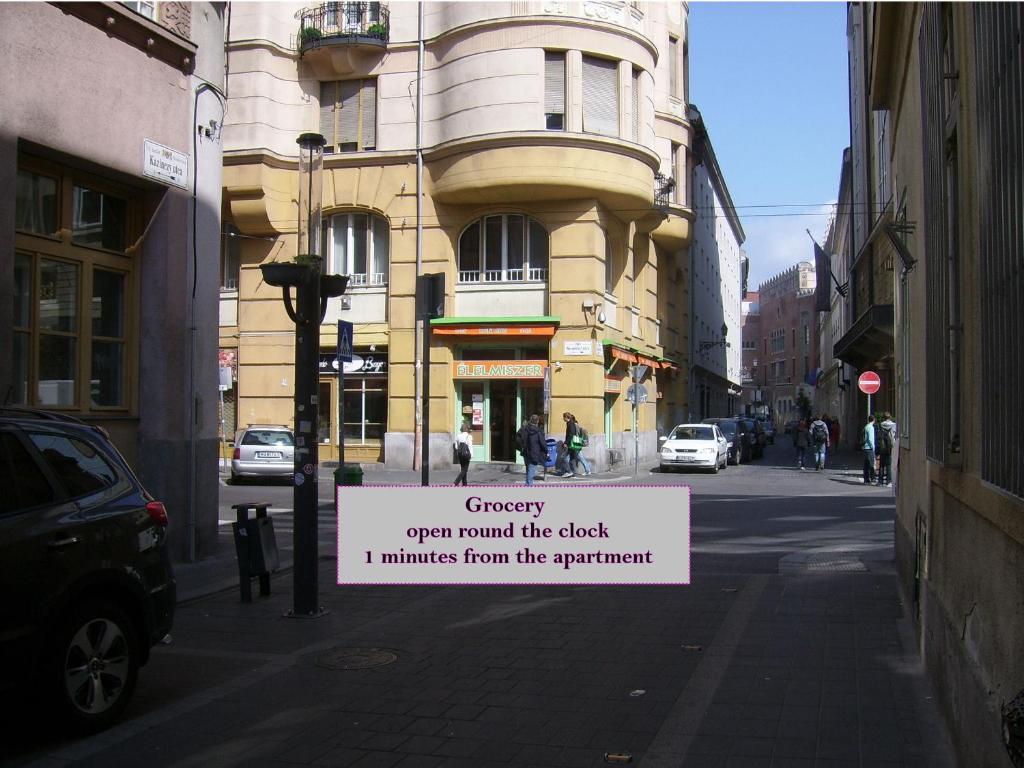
(775,243)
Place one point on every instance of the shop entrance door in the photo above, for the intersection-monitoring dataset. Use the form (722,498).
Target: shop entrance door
(503,424)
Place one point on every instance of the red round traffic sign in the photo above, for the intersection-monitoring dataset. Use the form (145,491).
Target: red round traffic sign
(869,383)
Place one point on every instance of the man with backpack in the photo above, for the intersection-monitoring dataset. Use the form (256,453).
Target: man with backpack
(885,434)
(819,438)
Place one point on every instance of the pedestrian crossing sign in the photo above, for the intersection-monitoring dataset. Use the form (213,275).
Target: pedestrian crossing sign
(344,341)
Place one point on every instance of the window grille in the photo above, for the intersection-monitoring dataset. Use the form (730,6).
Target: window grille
(998,32)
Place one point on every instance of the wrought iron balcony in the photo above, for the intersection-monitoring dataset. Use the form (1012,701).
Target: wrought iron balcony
(343,24)
(663,186)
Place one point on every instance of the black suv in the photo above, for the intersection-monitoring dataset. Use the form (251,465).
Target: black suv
(86,586)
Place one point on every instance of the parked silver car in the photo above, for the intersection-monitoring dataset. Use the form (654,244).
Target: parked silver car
(263,450)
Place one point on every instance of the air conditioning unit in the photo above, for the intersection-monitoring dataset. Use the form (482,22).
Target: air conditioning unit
(346,302)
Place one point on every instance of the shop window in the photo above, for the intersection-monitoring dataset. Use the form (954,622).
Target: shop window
(357,245)
(503,248)
(72,301)
(366,409)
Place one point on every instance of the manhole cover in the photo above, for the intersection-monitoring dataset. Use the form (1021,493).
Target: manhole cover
(356,658)
(834,563)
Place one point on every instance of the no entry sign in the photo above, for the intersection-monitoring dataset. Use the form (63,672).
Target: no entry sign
(869,383)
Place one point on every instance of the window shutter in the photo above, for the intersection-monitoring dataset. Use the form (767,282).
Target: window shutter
(348,113)
(673,67)
(636,105)
(600,102)
(369,120)
(328,92)
(554,83)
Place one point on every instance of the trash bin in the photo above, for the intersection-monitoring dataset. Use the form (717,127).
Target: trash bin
(552,453)
(350,474)
(255,546)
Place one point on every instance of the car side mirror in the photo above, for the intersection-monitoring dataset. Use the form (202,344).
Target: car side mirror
(662,439)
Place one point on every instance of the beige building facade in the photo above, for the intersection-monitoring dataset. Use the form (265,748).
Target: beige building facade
(554,145)
(938,245)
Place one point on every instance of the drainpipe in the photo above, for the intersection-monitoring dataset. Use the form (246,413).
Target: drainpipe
(422,431)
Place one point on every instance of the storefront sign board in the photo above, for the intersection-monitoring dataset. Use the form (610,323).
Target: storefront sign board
(500,330)
(499,369)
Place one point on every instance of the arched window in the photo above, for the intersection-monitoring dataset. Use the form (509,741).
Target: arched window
(356,244)
(501,248)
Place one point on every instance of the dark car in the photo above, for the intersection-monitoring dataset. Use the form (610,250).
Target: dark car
(736,434)
(769,429)
(756,438)
(86,585)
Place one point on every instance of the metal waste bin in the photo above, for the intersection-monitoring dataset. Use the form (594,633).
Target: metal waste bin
(256,547)
(350,474)
(552,458)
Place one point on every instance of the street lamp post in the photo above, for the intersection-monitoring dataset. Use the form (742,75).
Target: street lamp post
(312,292)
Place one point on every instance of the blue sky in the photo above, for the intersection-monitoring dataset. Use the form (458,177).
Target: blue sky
(770,80)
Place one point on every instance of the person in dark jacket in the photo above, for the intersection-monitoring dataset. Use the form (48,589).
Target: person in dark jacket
(801,439)
(536,452)
(573,430)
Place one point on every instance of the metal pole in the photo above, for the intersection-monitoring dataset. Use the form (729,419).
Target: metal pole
(341,415)
(307,358)
(418,436)
(425,459)
(636,420)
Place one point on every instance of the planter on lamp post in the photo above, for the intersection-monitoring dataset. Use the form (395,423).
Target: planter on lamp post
(307,311)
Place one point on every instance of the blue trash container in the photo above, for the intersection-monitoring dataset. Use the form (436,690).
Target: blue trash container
(552,452)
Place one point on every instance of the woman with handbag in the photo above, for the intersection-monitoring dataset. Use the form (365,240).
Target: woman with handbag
(574,442)
(463,452)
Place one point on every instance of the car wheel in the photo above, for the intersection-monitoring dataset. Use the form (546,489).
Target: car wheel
(714,469)
(94,666)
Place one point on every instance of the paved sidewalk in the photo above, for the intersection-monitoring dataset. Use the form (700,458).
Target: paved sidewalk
(734,670)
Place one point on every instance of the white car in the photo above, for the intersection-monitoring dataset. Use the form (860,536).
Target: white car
(695,445)
(263,450)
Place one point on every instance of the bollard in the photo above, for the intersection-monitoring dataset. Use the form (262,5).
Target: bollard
(256,548)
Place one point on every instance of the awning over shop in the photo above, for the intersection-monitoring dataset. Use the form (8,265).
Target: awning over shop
(505,327)
(620,351)
(869,340)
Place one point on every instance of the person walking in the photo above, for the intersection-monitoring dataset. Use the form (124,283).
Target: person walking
(575,439)
(867,444)
(536,452)
(819,437)
(463,452)
(801,438)
(886,444)
(834,430)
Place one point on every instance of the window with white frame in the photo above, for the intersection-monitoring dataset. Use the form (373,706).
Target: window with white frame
(506,247)
(147,9)
(357,245)
(600,96)
(554,90)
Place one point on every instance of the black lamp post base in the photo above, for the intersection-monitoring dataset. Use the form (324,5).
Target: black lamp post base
(318,613)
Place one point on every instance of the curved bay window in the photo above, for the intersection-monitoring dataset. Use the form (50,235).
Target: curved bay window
(72,289)
(503,248)
(357,245)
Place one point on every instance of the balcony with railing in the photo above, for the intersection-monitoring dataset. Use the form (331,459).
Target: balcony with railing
(334,36)
(343,23)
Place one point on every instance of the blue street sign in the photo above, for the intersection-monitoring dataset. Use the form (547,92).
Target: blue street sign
(344,341)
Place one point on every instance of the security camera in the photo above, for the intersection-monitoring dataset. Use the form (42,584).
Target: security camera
(558,366)
(601,317)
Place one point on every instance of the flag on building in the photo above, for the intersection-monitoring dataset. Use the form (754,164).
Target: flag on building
(823,274)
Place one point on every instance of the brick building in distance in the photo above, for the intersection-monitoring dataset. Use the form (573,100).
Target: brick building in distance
(787,350)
